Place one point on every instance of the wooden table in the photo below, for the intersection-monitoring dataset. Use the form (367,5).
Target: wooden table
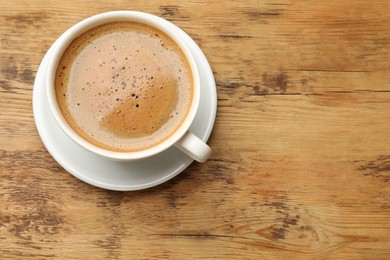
(301,162)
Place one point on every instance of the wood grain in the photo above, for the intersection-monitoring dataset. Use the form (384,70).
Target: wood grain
(301,162)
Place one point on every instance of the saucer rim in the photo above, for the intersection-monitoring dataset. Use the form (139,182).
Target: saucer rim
(210,121)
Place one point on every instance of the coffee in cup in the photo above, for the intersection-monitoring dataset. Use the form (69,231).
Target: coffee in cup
(124,86)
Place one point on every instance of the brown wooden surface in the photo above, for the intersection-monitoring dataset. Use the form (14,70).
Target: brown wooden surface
(301,162)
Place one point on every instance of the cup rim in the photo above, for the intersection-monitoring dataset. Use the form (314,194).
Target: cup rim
(76,30)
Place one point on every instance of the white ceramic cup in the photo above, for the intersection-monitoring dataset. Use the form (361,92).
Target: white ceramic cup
(181,138)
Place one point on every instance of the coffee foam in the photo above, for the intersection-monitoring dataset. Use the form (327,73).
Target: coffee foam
(124,86)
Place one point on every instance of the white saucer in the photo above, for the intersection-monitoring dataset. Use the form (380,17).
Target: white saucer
(123,176)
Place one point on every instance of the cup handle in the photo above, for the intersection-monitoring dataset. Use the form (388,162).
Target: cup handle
(195,148)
